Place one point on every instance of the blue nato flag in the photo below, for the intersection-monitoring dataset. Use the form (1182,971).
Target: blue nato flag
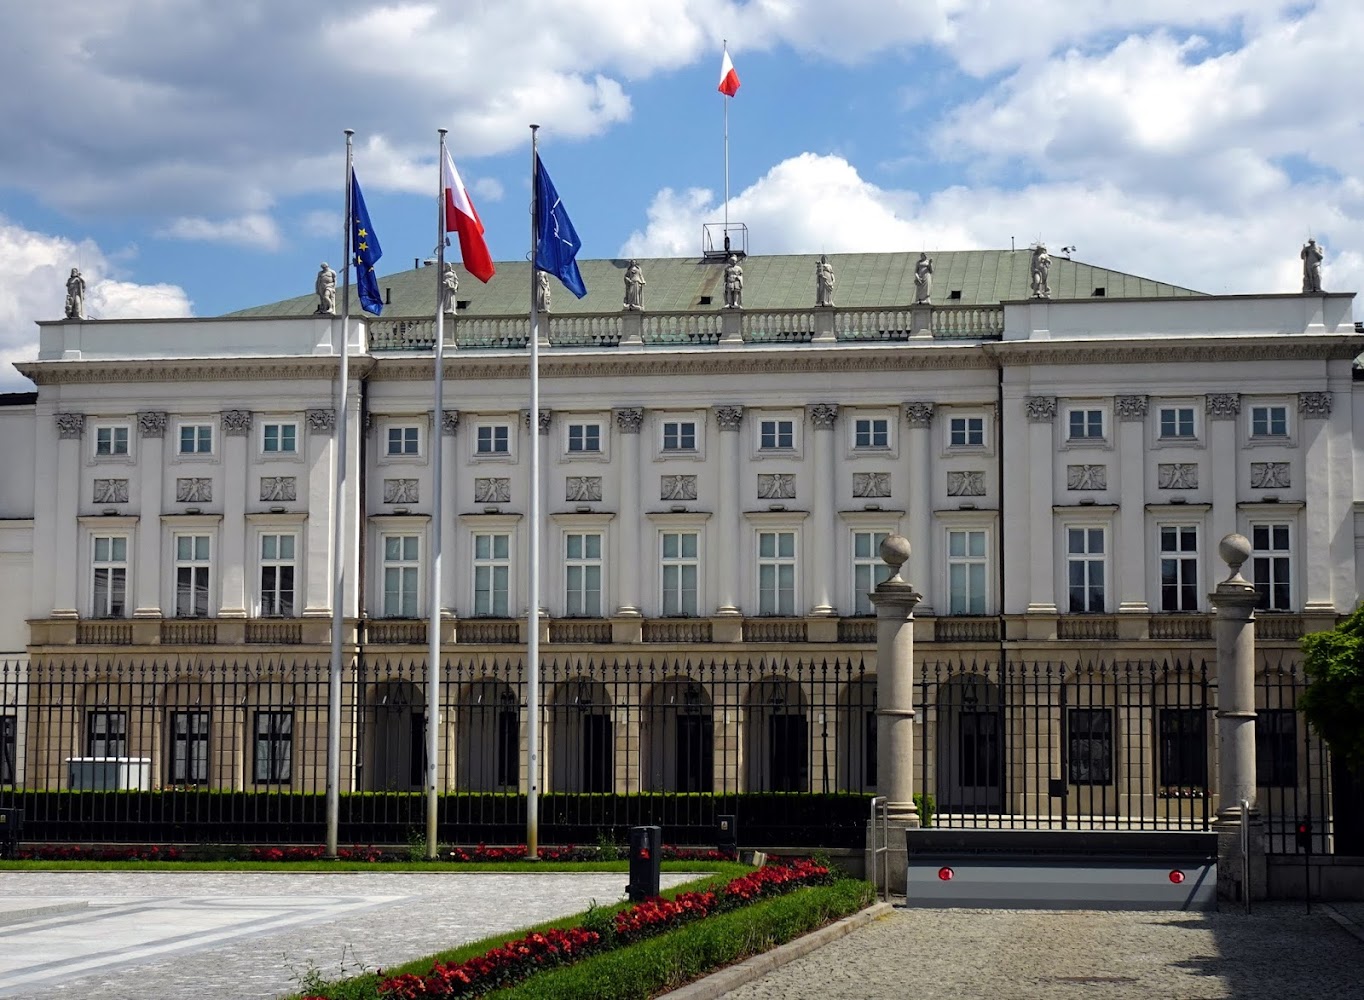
(367,251)
(556,241)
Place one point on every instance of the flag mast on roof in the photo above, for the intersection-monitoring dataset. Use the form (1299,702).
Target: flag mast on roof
(729,86)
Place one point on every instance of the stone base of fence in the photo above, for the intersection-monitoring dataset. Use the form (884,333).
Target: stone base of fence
(1231,887)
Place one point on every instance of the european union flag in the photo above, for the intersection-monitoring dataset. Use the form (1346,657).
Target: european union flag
(367,251)
(556,242)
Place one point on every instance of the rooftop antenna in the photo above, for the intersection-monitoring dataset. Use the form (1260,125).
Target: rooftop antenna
(1011,244)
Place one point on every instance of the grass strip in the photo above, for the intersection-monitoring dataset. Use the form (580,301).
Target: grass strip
(654,966)
(730,868)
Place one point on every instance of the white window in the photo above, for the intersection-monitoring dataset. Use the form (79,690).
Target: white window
(110,441)
(277,571)
(966,572)
(492,439)
(871,432)
(582,574)
(492,570)
(1178,567)
(1176,422)
(776,572)
(193,567)
(279,439)
(966,432)
(404,440)
(196,439)
(402,572)
(106,733)
(273,740)
(777,434)
(1086,564)
(679,435)
(869,568)
(1268,421)
(109,591)
(1270,559)
(679,562)
(1085,425)
(584,439)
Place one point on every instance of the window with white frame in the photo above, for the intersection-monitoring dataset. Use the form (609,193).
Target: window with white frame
(402,573)
(776,572)
(774,435)
(1086,564)
(966,432)
(584,439)
(1270,557)
(193,566)
(111,440)
(1269,421)
(272,747)
(966,571)
(279,439)
(404,440)
(196,439)
(1085,425)
(871,432)
(582,574)
(109,584)
(1178,567)
(492,571)
(1176,423)
(869,568)
(679,564)
(492,439)
(187,754)
(106,733)
(277,572)
(679,435)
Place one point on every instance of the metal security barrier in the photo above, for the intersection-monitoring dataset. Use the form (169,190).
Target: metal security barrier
(1080,870)
(880,846)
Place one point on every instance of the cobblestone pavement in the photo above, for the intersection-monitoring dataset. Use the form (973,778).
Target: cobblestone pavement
(234,936)
(1277,953)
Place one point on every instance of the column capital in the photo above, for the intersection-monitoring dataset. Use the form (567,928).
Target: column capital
(728,417)
(919,413)
(1131,407)
(629,419)
(1041,409)
(449,422)
(236,422)
(321,420)
(70,425)
(152,423)
(1223,405)
(1314,405)
(545,417)
(822,415)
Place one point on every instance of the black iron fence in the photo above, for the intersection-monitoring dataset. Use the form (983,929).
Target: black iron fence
(179,750)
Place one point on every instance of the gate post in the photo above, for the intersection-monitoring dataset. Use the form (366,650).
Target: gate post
(894,600)
(1235,600)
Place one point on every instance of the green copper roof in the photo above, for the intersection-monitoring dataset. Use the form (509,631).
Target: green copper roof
(876,280)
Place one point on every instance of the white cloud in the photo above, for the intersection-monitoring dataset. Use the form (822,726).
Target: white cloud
(256,231)
(488,189)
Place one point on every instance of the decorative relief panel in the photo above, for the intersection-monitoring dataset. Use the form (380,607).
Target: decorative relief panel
(776,486)
(582,488)
(822,415)
(321,421)
(728,418)
(278,488)
(449,422)
(152,423)
(966,484)
(1177,476)
(236,422)
(1269,475)
(1223,405)
(871,484)
(111,491)
(1041,409)
(1314,404)
(194,490)
(492,490)
(629,419)
(400,491)
(677,488)
(919,414)
(1130,407)
(1086,477)
(70,425)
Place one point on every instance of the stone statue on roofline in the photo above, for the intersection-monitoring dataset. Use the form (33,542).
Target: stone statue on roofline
(1311,267)
(325,286)
(824,283)
(75,295)
(634,287)
(449,285)
(923,280)
(541,292)
(734,284)
(1041,272)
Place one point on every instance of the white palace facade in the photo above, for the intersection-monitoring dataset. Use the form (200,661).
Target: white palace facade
(716,482)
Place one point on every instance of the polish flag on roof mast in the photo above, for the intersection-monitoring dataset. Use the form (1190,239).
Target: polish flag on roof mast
(729,79)
(461,218)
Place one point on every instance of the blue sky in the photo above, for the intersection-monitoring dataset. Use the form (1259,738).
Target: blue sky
(188,156)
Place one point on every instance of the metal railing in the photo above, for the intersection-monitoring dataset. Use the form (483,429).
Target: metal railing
(878,830)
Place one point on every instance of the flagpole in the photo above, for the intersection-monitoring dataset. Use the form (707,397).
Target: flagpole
(339,535)
(436,445)
(726,96)
(533,617)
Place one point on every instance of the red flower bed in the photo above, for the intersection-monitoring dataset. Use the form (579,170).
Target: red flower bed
(371,854)
(81,852)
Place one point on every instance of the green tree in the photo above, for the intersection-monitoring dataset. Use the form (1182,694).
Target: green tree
(1333,701)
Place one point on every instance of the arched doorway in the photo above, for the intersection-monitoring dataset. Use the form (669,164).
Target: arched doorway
(777,737)
(488,737)
(395,737)
(970,745)
(678,737)
(582,737)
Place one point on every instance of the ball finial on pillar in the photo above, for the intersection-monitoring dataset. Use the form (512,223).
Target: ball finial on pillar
(1234,549)
(894,553)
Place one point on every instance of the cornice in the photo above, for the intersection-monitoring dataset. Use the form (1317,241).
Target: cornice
(1177,350)
(189,370)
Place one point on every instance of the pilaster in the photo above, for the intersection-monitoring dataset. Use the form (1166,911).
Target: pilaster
(321,434)
(233,557)
(1318,527)
(447,431)
(730,509)
(1041,546)
(1131,563)
(151,463)
(1223,410)
(628,596)
(66,497)
(919,448)
(824,520)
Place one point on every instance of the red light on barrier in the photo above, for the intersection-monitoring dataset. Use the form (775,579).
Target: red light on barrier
(1176,877)
(946,874)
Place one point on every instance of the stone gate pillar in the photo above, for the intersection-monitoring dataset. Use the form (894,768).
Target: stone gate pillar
(1235,600)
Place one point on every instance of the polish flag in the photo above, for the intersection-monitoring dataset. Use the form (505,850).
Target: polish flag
(460,217)
(729,80)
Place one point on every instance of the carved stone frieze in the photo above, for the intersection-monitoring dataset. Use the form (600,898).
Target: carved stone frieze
(728,418)
(1041,409)
(629,419)
(970,483)
(1314,404)
(919,414)
(492,490)
(194,489)
(1131,407)
(870,485)
(776,486)
(321,421)
(400,491)
(278,488)
(1223,405)
(70,425)
(1177,476)
(677,488)
(582,489)
(1269,476)
(1086,477)
(152,423)
(546,418)
(449,422)
(236,422)
(111,491)
(822,415)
